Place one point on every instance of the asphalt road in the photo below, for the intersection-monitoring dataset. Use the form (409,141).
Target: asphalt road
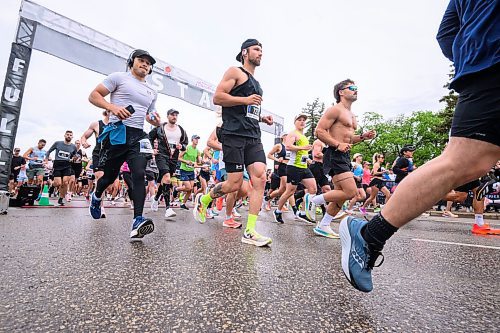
(61,271)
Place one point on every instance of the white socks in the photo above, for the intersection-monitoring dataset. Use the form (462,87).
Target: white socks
(479,219)
(327,219)
(319,200)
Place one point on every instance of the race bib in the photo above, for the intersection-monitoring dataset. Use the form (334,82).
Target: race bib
(303,159)
(253,111)
(145,146)
(287,155)
(63,155)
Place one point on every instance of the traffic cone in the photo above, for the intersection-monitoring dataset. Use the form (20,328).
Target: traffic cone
(44,200)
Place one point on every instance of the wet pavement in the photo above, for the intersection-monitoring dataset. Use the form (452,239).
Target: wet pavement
(61,271)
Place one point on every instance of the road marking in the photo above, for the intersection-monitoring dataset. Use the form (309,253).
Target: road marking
(453,243)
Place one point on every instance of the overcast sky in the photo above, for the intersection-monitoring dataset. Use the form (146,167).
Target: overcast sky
(388,47)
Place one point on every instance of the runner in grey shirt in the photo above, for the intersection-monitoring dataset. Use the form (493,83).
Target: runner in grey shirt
(65,150)
(131,101)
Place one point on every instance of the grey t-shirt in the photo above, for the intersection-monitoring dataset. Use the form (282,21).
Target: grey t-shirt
(64,152)
(126,90)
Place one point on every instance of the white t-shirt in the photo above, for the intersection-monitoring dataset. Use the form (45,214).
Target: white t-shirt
(173,137)
(126,90)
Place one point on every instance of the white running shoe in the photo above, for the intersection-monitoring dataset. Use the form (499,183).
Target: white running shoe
(169,212)
(340,215)
(325,231)
(235,214)
(154,205)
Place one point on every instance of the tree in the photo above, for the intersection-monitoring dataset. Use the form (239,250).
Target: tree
(314,111)
(450,101)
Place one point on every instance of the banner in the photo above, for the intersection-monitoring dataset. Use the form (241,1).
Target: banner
(10,106)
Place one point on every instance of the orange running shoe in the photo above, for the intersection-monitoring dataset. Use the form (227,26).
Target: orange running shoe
(231,224)
(219,203)
(481,230)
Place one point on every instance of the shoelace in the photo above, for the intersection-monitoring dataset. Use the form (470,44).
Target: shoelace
(372,258)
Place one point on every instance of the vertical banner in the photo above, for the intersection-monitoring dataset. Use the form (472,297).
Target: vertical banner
(10,107)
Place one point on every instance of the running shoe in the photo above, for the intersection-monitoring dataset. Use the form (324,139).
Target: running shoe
(340,215)
(310,207)
(214,213)
(447,213)
(358,259)
(60,202)
(254,238)
(231,223)
(199,210)
(376,210)
(141,226)
(235,214)
(94,207)
(219,203)
(170,213)
(484,188)
(485,229)
(325,231)
(278,217)
(154,205)
(303,217)
(362,210)
(103,213)
(183,206)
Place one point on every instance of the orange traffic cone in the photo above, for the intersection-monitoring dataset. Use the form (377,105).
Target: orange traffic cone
(44,200)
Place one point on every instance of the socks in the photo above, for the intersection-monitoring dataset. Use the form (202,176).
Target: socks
(377,231)
(295,209)
(252,221)
(166,195)
(319,200)
(478,218)
(206,199)
(228,217)
(278,211)
(326,220)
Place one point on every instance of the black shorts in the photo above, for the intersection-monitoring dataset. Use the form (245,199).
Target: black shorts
(85,182)
(469,186)
(295,175)
(112,155)
(358,184)
(281,170)
(95,162)
(477,114)
(62,169)
(76,169)
(13,175)
(241,151)
(275,181)
(165,165)
(205,175)
(336,162)
(379,183)
(150,176)
(318,173)
(365,186)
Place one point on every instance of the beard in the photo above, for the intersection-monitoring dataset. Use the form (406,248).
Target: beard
(255,61)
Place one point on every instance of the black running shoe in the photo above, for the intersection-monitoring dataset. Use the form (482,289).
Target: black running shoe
(278,217)
(183,206)
(60,202)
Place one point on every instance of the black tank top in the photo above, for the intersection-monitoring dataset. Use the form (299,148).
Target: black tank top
(282,153)
(97,147)
(243,120)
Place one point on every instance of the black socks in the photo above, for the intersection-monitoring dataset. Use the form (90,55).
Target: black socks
(377,231)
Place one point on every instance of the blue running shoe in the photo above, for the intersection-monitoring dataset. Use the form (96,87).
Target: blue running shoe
(141,226)
(358,259)
(95,207)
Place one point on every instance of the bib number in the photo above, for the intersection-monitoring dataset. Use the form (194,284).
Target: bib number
(145,146)
(253,111)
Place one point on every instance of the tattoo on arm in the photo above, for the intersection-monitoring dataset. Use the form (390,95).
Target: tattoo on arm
(217,191)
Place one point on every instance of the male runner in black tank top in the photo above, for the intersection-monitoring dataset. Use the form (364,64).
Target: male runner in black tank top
(281,157)
(240,96)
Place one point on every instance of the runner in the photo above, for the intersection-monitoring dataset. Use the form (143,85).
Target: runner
(65,151)
(281,157)
(475,134)
(76,171)
(240,96)
(403,165)
(171,139)
(123,139)
(296,170)
(377,183)
(336,129)
(190,159)
(316,168)
(36,157)
(15,167)
(357,171)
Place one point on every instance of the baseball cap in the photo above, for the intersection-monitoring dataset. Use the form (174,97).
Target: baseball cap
(195,137)
(356,156)
(246,44)
(143,53)
(407,148)
(172,111)
(17,149)
(300,115)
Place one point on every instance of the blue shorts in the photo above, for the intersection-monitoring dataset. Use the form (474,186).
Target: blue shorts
(187,175)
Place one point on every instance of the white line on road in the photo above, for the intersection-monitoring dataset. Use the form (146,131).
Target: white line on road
(452,243)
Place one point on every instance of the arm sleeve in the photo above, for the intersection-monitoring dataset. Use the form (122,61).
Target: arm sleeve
(111,81)
(448,29)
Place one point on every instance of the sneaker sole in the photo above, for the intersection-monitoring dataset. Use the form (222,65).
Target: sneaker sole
(143,230)
(252,242)
(197,203)
(324,234)
(231,226)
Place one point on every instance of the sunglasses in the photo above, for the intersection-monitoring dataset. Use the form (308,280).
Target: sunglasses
(351,88)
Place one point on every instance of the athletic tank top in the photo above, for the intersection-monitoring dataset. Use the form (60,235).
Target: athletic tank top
(243,120)
(299,158)
(97,148)
(283,153)
(40,156)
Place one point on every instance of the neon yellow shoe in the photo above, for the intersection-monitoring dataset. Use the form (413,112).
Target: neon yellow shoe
(254,238)
(199,210)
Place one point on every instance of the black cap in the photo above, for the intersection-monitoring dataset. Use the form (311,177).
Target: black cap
(171,111)
(407,148)
(142,53)
(246,44)
(195,137)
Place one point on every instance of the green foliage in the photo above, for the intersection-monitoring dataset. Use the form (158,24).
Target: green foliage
(314,111)
(450,101)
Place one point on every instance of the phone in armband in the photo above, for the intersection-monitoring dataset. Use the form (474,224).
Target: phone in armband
(130,109)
